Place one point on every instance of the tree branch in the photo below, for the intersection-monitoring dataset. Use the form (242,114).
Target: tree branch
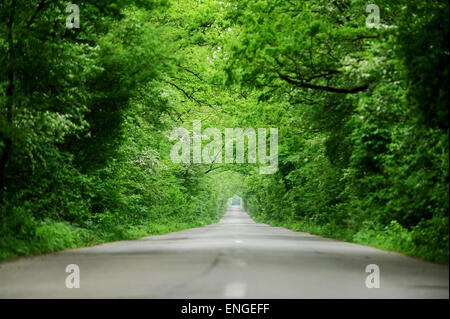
(362,37)
(322,87)
(39,9)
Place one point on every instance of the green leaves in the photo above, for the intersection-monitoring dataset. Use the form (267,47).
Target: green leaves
(85,115)
(358,160)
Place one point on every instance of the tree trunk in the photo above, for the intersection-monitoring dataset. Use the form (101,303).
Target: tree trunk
(9,99)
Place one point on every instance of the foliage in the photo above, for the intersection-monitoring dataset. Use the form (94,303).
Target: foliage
(364,135)
(84,118)
(362,114)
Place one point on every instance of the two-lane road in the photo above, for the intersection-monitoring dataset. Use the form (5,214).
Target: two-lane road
(236,258)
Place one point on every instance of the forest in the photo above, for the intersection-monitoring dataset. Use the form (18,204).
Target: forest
(89,98)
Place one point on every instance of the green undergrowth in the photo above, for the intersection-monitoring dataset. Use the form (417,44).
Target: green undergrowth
(37,237)
(428,240)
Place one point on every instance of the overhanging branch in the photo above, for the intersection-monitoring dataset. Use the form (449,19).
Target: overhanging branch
(322,87)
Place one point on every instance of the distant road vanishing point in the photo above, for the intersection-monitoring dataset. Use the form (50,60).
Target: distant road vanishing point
(235,258)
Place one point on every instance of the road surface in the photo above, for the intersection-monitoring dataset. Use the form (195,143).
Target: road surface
(235,258)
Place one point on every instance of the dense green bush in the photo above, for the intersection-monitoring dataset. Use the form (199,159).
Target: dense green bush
(84,122)
(364,138)
(362,114)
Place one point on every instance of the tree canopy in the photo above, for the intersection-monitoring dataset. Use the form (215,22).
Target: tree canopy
(361,112)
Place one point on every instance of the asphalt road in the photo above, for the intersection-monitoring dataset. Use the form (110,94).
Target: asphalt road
(236,258)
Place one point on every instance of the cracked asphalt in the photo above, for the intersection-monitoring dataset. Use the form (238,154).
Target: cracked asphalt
(235,258)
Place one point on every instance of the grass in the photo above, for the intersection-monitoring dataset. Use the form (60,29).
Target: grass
(51,236)
(419,242)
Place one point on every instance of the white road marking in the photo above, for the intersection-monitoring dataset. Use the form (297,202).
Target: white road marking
(238,241)
(235,290)
(239,263)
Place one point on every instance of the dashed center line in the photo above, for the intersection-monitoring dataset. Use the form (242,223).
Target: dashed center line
(239,263)
(235,290)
